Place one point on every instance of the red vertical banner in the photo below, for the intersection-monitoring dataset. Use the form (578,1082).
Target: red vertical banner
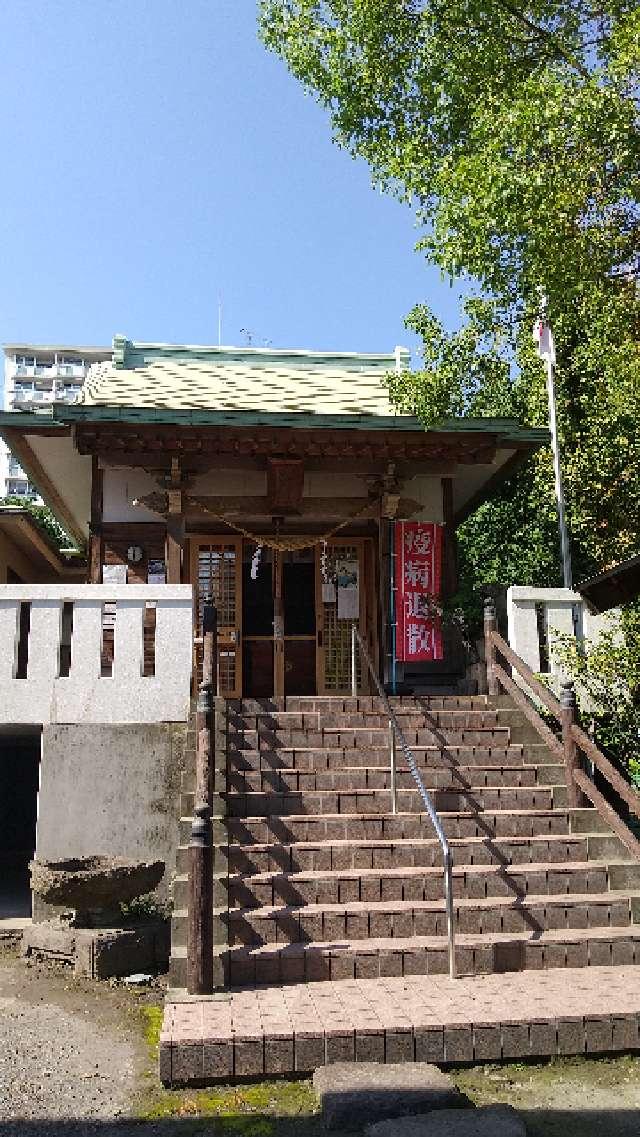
(418,549)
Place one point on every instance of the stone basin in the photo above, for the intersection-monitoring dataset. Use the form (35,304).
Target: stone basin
(94,883)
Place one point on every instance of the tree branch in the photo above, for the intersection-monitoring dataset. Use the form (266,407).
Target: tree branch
(543,34)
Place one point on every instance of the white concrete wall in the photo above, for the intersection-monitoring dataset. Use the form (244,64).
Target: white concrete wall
(559,607)
(85,696)
(110,791)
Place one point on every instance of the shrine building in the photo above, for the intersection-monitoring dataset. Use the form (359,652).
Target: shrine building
(286,489)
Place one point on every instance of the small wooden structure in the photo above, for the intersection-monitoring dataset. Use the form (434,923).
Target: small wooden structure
(256,475)
(620,585)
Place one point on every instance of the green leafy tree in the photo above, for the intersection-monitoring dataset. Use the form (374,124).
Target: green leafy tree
(512,131)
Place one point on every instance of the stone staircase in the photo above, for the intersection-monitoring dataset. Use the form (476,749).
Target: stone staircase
(316,879)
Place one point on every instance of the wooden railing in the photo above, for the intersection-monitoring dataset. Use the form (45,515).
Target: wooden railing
(573,743)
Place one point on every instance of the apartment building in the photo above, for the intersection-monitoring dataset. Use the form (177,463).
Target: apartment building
(34,377)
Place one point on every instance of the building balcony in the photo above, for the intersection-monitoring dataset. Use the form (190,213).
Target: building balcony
(25,397)
(50,371)
(20,487)
(66,394)
(95,653)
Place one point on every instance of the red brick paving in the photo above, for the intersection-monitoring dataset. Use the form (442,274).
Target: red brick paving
(289,1029)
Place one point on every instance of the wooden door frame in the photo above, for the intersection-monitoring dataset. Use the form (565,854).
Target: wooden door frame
(195,541)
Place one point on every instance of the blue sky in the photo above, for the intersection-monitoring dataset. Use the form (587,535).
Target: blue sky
(155,158)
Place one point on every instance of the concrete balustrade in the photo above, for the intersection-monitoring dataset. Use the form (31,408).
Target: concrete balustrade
(40,694)
(562,612)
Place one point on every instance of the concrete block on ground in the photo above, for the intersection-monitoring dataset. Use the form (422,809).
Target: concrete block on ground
(99,953)
(487,1121)
(354,1093)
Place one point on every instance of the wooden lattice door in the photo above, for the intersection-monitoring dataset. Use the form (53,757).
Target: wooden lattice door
(346,557)
(216,575)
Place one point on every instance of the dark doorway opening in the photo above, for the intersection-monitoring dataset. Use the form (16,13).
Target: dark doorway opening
(299,594)
(286,583)
(257,624)
(19,781)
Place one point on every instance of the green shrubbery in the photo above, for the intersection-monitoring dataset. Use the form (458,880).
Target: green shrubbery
(607,676)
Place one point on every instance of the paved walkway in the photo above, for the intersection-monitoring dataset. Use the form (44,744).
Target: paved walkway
(415,1018)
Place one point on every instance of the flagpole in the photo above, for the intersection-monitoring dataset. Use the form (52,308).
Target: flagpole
(557,473)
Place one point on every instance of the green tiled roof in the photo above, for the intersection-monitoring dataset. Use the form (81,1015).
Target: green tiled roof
(242,379)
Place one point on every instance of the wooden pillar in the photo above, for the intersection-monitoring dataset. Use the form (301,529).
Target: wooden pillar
(490,626)
(278,625)
(571,757)
(384,615)
(175,525)
(96,548)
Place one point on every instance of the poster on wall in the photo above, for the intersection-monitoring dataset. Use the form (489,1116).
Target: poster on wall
(347,584)
(418,549)
(156,571)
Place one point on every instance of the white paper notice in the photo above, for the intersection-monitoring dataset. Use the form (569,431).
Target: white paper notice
(114,574)
(348,590)
(328,592)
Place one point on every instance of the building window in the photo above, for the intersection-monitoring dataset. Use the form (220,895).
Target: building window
(23,392)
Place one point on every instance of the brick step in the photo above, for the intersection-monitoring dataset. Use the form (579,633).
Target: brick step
(346,704)
(361,777)
(416,883)
(296,828)
(336,856)
(468,779)
(387,919)
(426,955)
(409,801)
(376,737)
(410,718)
(336,758)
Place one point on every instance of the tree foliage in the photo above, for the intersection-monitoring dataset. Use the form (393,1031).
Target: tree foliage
(607,676)
(511,129)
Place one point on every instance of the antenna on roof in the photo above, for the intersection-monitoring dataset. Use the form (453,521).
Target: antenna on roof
(219,321)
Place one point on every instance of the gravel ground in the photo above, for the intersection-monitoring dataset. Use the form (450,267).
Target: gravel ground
(72,1055)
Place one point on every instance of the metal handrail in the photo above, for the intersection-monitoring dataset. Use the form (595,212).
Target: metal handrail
(396,733)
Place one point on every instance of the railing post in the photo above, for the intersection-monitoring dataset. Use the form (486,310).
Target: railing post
(490,626)
(448,899)
(204,709)
(571,758)
(354,672)
(210,647)
(394,771)
(200,922)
